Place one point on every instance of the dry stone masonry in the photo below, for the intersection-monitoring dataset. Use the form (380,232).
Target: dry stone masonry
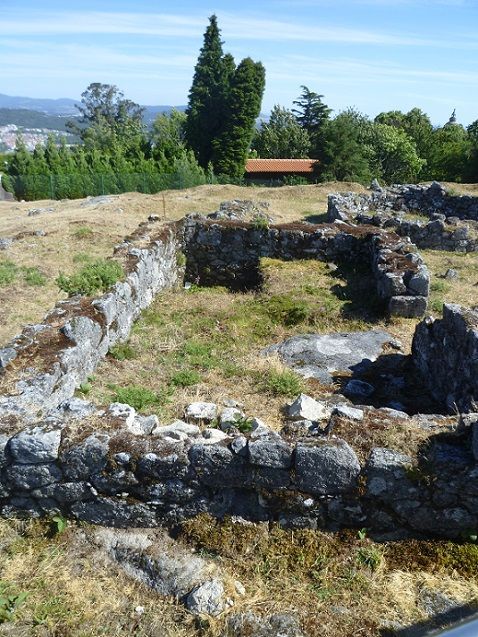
(448,222)
(115,467)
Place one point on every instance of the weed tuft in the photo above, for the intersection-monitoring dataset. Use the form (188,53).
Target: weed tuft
(122,352)
(136,396)
(283,383)
(97,276)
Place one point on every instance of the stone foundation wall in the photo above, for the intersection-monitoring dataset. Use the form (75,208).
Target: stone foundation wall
(223,253)
(131,471)
(426,200)
(386,207)
(42,367)
(446,353)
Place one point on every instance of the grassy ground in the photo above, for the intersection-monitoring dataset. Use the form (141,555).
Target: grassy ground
(205,343)
(74,230)
(338,585)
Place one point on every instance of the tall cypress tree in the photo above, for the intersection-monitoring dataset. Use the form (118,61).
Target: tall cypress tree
(208,95)
(244,105)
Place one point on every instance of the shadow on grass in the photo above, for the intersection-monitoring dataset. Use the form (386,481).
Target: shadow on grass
(317,218)
(361,299)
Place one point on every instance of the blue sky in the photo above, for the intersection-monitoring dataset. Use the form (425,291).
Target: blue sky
(374,55)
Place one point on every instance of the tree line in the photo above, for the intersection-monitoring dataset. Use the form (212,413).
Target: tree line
(212,140)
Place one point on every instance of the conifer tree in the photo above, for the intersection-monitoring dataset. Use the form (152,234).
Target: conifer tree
(208,95)
(244,105)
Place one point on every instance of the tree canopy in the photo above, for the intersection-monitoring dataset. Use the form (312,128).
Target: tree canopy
(282,137)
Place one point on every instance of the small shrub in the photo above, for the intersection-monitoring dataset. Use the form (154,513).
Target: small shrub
(370,557)
(33,276)
(186,378)
(83,232)
(260,222)
(286,311)
(283,383)
(9,602)
(97,276)
(243,424)
(122,352)
(8,272)
(138,397)
(437,305)
(85,388)
(59,523)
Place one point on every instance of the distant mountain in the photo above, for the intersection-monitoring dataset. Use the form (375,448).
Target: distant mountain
(25,118)
(63,106)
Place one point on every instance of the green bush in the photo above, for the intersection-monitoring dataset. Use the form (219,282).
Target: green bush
(8,272)
(283,383)
(93,277)
(138,397)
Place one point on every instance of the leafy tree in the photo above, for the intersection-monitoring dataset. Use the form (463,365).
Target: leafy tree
(106,116)
(282,137)
(417,125)
(395,156)
(208,95)
(244,105)
(168,134)
(345,155)
(472,131)
(311,114)
(450,154)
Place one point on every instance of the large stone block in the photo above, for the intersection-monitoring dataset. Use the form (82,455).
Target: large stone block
(328,468)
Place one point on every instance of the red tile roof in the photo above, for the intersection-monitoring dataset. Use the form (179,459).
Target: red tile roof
(280,165)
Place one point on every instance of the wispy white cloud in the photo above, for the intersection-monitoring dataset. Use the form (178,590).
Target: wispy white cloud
(236,26)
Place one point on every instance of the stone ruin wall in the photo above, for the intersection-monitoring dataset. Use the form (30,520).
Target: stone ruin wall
(453,224)
(118,468)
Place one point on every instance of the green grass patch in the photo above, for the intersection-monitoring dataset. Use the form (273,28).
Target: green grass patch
(83,232)
(186,378)
(8,272)
(97,276)
(284,310)
(283,383)
(138,397)
(33,276)
(122,352)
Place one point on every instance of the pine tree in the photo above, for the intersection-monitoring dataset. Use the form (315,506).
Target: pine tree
(312,114)
(208,95)
(244,105)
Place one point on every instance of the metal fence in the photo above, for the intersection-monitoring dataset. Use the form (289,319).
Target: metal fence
(76,186)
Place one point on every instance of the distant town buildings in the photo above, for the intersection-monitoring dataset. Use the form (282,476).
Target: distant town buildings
(31,136)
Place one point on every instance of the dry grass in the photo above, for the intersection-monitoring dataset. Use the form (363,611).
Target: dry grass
(324,579)
(109,224)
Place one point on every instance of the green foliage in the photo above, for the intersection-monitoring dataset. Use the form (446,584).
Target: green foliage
(33,276)
(186,378)
(395,157)
(283,383)
(97,276)
(122,352)
(224,102)
(83,232)
(287,311)
(60,523)
(243,107)
(138,397)
(439,286)
(85,388)
(8,272)
(369,556)
(260,222)
(282,137)
(9,602)
(344,154)
(243,424)
(311,113)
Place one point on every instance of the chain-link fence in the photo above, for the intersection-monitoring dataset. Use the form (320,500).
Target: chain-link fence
(76,186)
